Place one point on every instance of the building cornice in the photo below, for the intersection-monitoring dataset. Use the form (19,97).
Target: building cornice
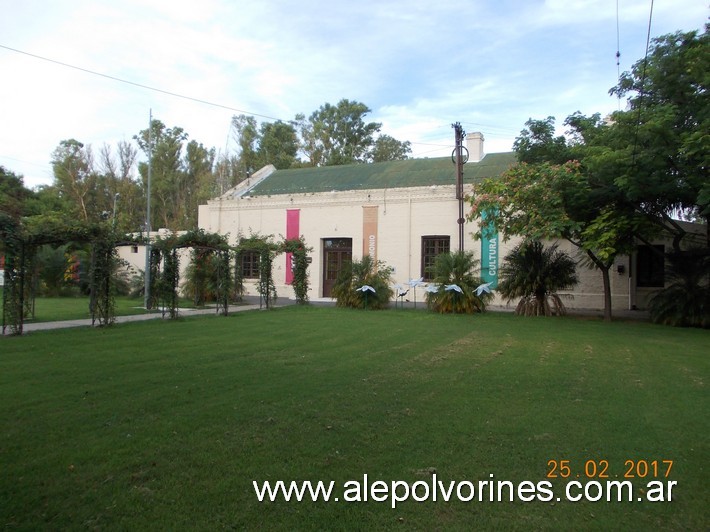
(434,193)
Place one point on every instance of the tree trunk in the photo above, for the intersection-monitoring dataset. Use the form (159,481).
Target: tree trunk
(607,292)
(606,282)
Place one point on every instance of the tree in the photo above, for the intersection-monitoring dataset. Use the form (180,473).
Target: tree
(166,146)
(662,141)
(338,134)
(246,134)
(122,187)
(537,143)
(179,182)
(76,179)
(14,197)
(535,274)
(548,201)
(278,145)
(227,172)
(198,183)
(390,149)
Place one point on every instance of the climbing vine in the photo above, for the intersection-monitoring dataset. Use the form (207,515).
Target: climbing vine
(19,242)
(299,264)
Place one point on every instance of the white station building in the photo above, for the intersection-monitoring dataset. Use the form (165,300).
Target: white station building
(401,212)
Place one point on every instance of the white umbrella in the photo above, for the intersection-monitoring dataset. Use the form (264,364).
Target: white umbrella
(455,287)
(432,288)
(485,287)
(414,283)
(401,292)
(365,288)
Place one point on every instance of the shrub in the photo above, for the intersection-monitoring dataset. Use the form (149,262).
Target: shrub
(686,301)
(457,269)
(535,274)
(364,273)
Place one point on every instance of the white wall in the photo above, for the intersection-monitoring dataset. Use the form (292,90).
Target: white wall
(404,216)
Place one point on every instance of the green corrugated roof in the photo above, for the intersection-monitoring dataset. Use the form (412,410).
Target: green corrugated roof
(393,174)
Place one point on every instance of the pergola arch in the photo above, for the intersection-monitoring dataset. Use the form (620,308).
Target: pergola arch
(22,239)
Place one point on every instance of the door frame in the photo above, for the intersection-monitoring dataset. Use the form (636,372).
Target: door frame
(343,247)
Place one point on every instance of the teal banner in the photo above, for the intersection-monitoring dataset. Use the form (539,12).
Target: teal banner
(489,253)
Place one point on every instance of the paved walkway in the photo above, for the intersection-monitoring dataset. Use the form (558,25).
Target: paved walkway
(252,303)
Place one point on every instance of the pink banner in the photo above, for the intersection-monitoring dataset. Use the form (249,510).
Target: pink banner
(293,219)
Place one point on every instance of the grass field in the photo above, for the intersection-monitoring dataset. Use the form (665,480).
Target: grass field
(77,308)
(165,425)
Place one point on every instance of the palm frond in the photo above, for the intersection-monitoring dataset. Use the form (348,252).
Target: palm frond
(535,274)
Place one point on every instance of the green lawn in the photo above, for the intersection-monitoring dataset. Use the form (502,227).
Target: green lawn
(164,425)
(77,308)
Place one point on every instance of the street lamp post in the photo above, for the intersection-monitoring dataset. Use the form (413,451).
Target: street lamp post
(115,201)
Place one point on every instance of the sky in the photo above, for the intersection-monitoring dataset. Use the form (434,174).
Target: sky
(418,65)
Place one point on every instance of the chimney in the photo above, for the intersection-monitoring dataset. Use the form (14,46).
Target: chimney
(474,144)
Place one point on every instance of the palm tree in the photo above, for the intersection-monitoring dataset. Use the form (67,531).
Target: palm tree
(686,301)
(454,275)
(535,274)
(366,272)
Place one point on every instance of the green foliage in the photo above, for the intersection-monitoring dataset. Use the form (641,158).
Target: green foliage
(76,179)
(14,197)
(457,268)
(549,201)
(685,302)
(535,274)
(21,243)
(537,143)
(220,284)
(104,263)
(208,276)
(278,145)
(338,134)
(199,274)
(665,131)
(299,262)
(267,249)
(388,148)
(56,268)
(267,288)
(634,172)
(364,273)
(181,176)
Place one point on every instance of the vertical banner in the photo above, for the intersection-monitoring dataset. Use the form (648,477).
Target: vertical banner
(369,231)
(489,252)
(293,221)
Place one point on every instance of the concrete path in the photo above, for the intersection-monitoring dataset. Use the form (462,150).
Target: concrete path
(252,303)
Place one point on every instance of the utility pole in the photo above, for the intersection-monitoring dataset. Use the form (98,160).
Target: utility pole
(459,159)
(146,277)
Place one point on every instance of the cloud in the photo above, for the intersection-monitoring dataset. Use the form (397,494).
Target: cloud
(490,64)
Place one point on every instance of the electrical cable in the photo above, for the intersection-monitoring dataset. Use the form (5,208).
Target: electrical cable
(642,86)
(183,96)
(618,53)
(135,84)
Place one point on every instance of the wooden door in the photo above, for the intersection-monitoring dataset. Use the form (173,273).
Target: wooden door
(337,252)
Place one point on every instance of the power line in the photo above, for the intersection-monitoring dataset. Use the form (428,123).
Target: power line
(191,98)
(135,84)
(642,86)
(618,53)
(41,165)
